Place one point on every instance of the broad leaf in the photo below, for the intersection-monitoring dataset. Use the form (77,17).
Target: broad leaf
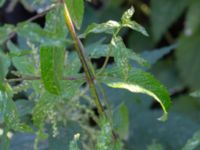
(76,10)
(193,143)
(52,63)
(187,55)
(164,13)
(140,82)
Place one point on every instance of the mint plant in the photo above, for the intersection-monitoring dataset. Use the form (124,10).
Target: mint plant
(57,93)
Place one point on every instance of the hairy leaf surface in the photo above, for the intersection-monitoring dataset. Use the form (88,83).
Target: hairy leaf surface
(52,63)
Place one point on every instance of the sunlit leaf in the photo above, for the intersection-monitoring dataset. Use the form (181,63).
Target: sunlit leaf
(109,27)
(141,82)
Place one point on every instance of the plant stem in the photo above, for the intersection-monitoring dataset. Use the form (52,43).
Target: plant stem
(31,78)
(87,66)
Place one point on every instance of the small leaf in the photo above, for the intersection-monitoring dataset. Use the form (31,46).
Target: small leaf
(76,10)
(140,82)
(128,14)
(109,27)
(52,63)
(135,26)
(193,143)
(127,22)
(5,31)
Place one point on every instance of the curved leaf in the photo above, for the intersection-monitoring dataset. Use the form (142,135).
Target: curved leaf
(141,82)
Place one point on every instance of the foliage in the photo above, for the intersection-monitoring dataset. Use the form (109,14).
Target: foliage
(50,88)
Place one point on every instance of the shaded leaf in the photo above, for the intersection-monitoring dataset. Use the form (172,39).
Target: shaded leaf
(52,63)
(187,54)
(192,20)
(164,13)
(76,9)
(195,94)
(154,55)
(193,143)
(155,146)
(2,2)
(4,65)
(5,31)
(121,121)
(24,63)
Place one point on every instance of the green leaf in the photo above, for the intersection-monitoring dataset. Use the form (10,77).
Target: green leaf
(155,146)
(164,13)
(74,143)
(4,65)
(109,27)
(45,104)
(5,31)
(187,55)
(121,54)
(195,94)
(127,15)
(135,26)
(140,82)
(121,121)
(104,137)
(55,26)
(192,20)
(2,2)
(193,143)
(154,55)
(52,63)
(127,22)
(8,112)
(24,63)
(76,10)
